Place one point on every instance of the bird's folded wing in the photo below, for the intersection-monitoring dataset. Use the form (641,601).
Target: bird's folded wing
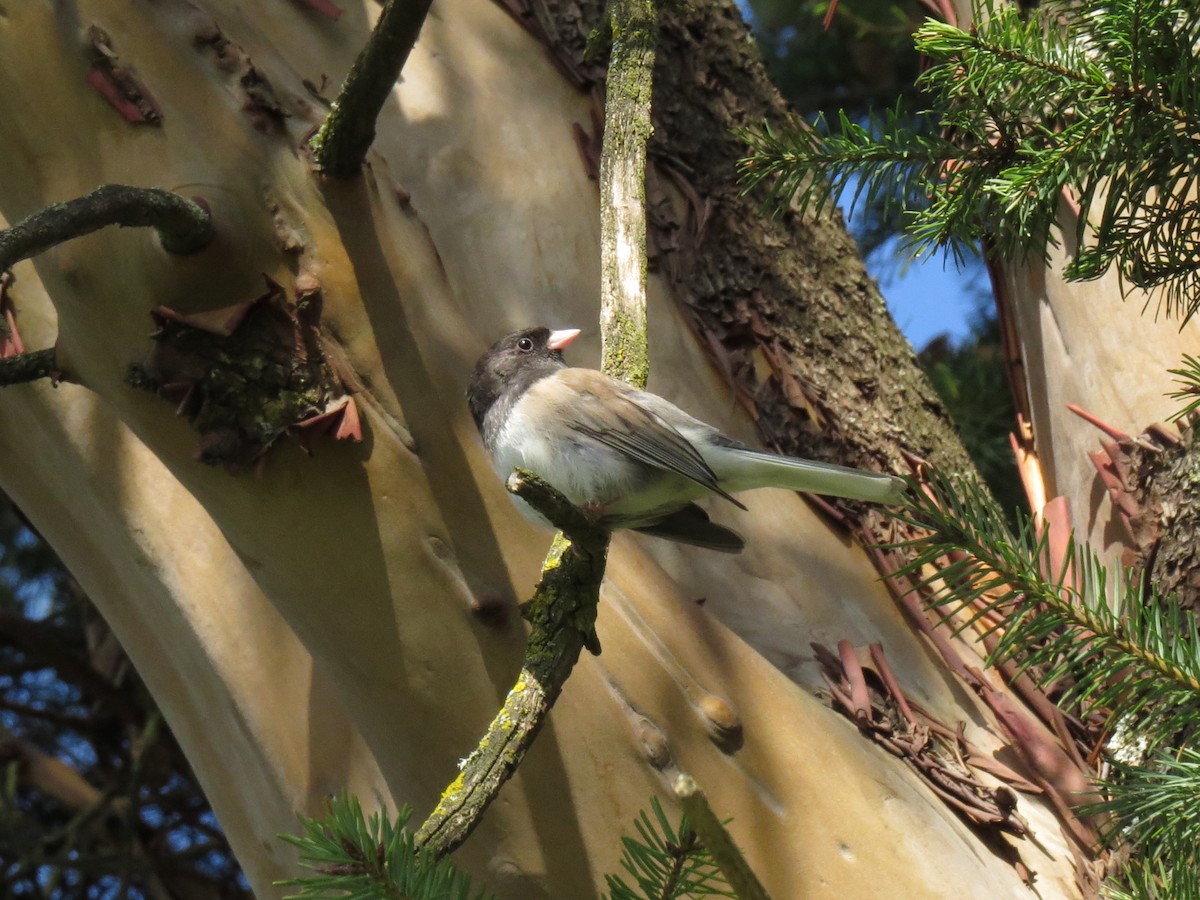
(691,525)
(606,412)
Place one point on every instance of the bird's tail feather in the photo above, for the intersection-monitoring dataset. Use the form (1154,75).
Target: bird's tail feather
(741,469)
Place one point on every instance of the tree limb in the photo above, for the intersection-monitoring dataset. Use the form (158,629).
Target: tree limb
(183,225)
(562,613)
(26,367)
(341,144)
(627,130)
(717,841)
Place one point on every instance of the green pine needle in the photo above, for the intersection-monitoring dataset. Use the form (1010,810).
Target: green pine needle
(1098,100)
(355,857)
(666,863)
(1158,805)
(1105,637)
(1188,377)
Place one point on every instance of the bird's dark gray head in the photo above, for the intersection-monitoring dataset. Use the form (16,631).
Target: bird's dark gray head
(513,364)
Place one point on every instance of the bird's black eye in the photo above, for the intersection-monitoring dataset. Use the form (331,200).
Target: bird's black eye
(524,345)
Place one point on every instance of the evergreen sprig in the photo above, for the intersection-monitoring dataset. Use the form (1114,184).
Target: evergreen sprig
(356,857)
(1154,879)
(1106,638)
(1095,100)
(666,863)
(1188,379)
(1157,804)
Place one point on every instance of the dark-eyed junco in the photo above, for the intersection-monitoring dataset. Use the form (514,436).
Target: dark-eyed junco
(629,458)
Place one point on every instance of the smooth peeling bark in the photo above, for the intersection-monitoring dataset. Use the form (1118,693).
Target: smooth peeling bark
(207,643)
(475,216)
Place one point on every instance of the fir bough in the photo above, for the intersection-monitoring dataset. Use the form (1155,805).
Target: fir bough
(356,857)
(359,857)
(1094,103)
(1109,639)
(1105,637)
(666,863)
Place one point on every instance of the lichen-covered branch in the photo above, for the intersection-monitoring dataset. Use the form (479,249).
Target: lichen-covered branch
(183,225)
(26,367)
(716,840)
(561,613)
(627,130)
(341,144)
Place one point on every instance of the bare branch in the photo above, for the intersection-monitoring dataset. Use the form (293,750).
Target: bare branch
(341,144)
(183,226)
(717,841)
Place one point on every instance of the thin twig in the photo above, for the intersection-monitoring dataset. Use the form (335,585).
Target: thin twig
(627,129)
(717,841)
(183,225)
(562,613)
(25,367)
(341,144)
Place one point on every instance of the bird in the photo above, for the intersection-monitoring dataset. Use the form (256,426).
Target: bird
(629,458)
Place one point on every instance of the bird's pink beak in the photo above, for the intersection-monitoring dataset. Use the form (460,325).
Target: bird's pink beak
(560,339)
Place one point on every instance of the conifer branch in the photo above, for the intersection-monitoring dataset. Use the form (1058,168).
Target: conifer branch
(1097,99)
(666,863)
(352,855)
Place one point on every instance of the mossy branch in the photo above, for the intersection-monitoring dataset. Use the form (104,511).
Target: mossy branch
(627,130)
(25,367)
(562,613)
(183,225)
(341,144)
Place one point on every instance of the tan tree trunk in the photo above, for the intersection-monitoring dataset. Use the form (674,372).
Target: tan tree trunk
(314,625)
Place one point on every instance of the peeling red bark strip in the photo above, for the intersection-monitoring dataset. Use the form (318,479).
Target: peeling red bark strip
(938,754)
(326,8)
(889,680)
(1047,762)
(860,697)
(10,337)
(1111,430)
(119,84)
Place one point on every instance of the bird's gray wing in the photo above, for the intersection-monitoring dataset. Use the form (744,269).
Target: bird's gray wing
(607,411)
(691,525)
